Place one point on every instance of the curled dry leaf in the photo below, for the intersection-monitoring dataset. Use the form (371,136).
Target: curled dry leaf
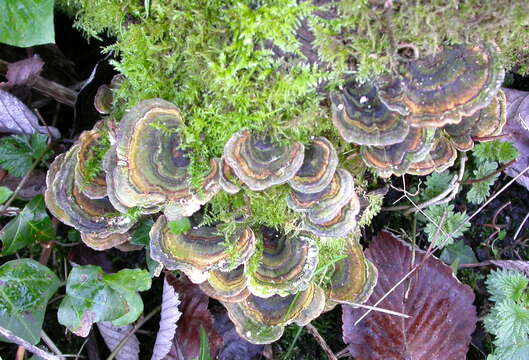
(21,75)
(442,316)
(517,127)
(195,314)
(515,265)
(169,317)
(112,335)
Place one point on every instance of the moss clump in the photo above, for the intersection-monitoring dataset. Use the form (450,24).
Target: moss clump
(94,165)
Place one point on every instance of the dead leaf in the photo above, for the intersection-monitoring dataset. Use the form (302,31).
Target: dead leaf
(515,265)
(235,347)
(195,314)
(518,127)
(21,76)
(16,118)
(112,335)
(169,317)
(442,316)
(83,255)
(35,184)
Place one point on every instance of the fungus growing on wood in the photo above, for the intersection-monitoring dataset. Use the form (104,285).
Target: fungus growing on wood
(361,118)
(486,122)
(440,89)
(260,162)
(147,168)
(319,164)
(227,286)
(103,99)
(227,179)
(200,250)
(442,155)
(262,320)
(286,266)
(95,218)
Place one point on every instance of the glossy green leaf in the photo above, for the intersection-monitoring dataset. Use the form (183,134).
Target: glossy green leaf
(140,236)
(92,296)
(25,289)
(5,193)
(17,152)
(26,23)
(32,225)
(179,226)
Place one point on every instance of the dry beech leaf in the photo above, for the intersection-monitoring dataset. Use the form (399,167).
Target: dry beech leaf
(518,127)
(195,314)
(112,335)
(515,265)
(235,347)
(442,316)
(21,75)
(169,317)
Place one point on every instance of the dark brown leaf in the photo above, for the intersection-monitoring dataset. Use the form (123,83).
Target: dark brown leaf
(83,255)
(235,347)
(518,127)
(112,335)
(442,316)
(35,185)
(195,314)
(21,76)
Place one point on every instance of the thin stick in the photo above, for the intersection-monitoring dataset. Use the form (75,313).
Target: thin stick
(51,344)
(382,310)
(491,175)
(321,341)
(19,341)
(520,227)
(126,338)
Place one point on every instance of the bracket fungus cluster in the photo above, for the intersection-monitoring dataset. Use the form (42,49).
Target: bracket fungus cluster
(266,278)
(416,122)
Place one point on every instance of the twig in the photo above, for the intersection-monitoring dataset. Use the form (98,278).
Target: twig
(491,175)
(520,227)
(25,179)
(126,338)
(489,138)
(51,344)
(343,353)
(321,341)
(382,310)
(19,341)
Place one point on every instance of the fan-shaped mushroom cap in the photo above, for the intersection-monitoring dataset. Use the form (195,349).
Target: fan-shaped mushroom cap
(319,164)
(354,277)
(489,121)
(361,117)
(340,226)
(200,250)
(105,242)
(228,286)
(103,99)
(438,90)
(94,217)
(260,163)
(262,320)
(148,169)
(286,266)
(227,179)
(441,157)
(89,142)
(395,159)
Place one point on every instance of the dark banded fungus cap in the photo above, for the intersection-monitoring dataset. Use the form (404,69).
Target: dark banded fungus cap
(319,164)
(90,142)
(354,277)
(262,320)
(64,199)
(227,286)
(148,167)
(395,159)
(200,250)
(361,118)
(227,179)
(442,156)
(286,266)
(97,242)
(259,162)
(439,89)
(103,99)
(486,122)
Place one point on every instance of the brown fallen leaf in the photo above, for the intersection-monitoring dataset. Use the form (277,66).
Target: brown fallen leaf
(195,314)
(21,76)
(235,347)
(442,316)
(168,318)
(517,127)
(515,265)
(112,335)
(35,184)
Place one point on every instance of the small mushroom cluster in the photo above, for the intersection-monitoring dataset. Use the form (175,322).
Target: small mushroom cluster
(265,279)
(438,104)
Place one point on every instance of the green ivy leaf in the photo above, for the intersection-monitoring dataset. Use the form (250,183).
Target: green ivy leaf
(26,287)
(31,225)
(17,152)
(92,296)
(179,226)
(5,193)
(26,23)
(140,236)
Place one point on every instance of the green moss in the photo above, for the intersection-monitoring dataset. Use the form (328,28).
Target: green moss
(94,165)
